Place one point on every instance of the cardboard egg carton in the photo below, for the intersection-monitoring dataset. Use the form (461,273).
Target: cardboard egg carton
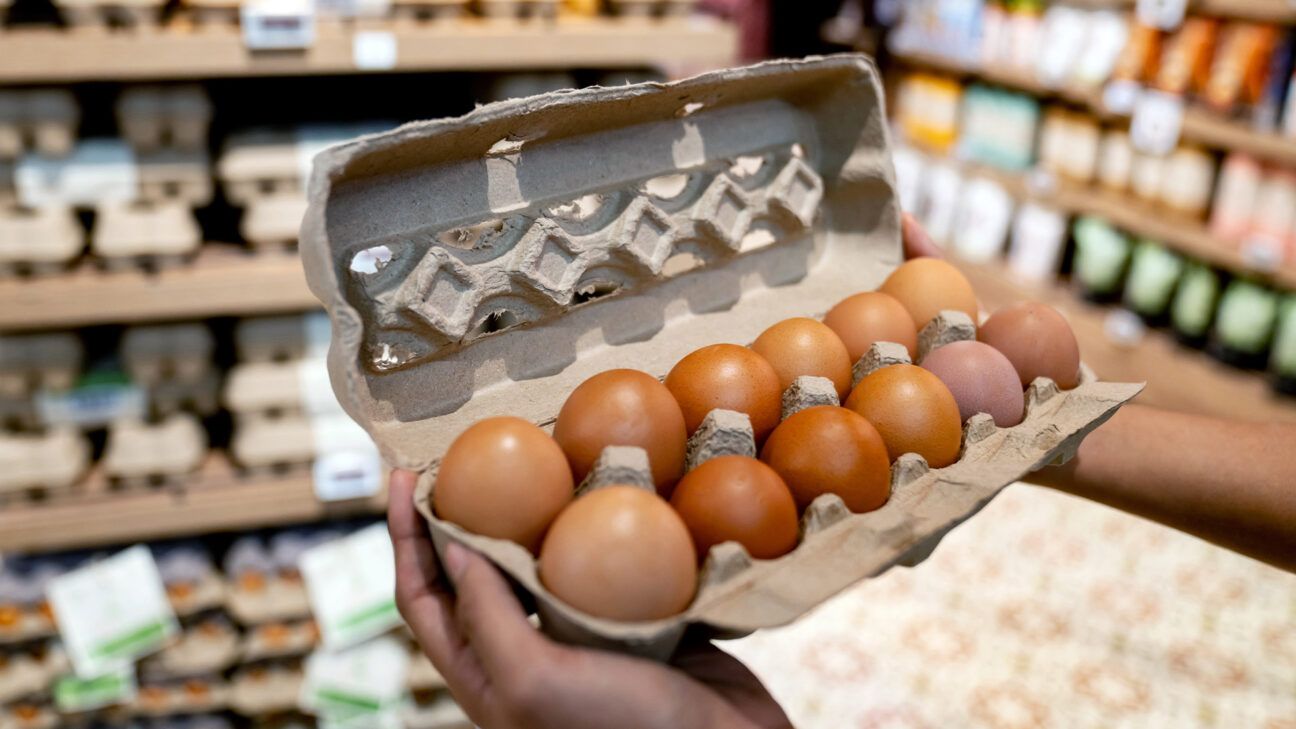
(42,465)
(652,8)
(279,640)
(280,338)
(272,221)
(556,259)
(425,11)
(34,362)
(175,175)
(155,353)
(38,241)
(192,582)
(264,584)
(265,688)
(200,397)
(164,234)
(268,388)
(28,671)
(212,13)
(208,647)
(260,163)
(134,15)
(273,444)
(29,715)
(43,120)
(514,10)
(154,117)
(139,453)
(192,695)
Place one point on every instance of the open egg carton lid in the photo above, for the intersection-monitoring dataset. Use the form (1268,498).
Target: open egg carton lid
(488,264)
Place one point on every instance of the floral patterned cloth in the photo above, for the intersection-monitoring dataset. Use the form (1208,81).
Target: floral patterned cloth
(1046,611)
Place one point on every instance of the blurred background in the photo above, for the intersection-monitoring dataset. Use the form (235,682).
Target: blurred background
(161,376)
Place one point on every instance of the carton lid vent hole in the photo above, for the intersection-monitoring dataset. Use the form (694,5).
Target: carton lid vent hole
(371,260)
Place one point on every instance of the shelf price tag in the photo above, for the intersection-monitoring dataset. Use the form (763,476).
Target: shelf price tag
(352,587)
(112,612)
(73,695)
(1124,328)
(277,25)
(362,686)
(1163,14)
(1157,122)
(374,50)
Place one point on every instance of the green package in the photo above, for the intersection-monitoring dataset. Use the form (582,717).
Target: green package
(1101,254)
(1194,302)
(1154,271)
(1246,317)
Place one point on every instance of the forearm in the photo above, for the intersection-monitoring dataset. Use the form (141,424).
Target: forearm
(1231,483)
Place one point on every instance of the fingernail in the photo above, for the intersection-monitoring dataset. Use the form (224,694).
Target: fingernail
(456,559)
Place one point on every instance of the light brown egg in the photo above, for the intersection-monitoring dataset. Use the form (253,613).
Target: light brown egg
(740,499)
(1037,340)
(981,379)
(623,408)
(913,410)
(728,377)
(828,449)
(799,347)
(620,553)
(504,478)
(872,316)
(928,286)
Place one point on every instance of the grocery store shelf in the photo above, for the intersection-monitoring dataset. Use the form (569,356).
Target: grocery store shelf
(1268,11)
(216,499)
(1178,378)
(174,52)
(1183,233)
(223,281)
(1008,77)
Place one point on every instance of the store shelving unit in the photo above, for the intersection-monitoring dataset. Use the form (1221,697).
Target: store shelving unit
(176,52)
(1271,11)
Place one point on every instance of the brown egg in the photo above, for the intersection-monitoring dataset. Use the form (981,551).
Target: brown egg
(620,553)
(624,408)
(913,410)
(928,286)
(740,499)
(504,478)
(872,316)
(799,347)
(828,449)
(1037,340)
(981,379)
(729,377)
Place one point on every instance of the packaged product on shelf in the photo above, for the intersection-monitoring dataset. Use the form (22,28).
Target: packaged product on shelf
(927,111)
(1154,272)
(1062,38)
(97,171)
(1235,196)
(1140,59)
(206,646)
(941,191)
(97,14)
(38,241)
(1101,255)
(1273,221)
(1039,236)
(279,639)
(1282,356)
(126,235)
(45,464)
(1244,324)
(644,8)
(190,695)
(266,585)
(998,127)
(43,121)
(1147,176)
(159,352)
(1116,160)
(267,687)
(1187,180)
(200,397)
(192,582)
(140,453)
(427,11)
(30,714)
(1242,62)
(513,10)
(25,614)
(984,216)
(1069,144)
(153,117)
(175,175)
(29,669)
(32,362)
(1186,57)
(1193,310)
(1267,114)
(1108,33)
(1024,24)
(910,168)
(281,338)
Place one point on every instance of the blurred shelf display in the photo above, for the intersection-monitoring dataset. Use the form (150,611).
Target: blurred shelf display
(221,281)
(48,55)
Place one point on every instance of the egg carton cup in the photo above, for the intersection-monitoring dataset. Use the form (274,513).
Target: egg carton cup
(33,362)
(200,397)
(127,15)
(192,695)
(43,121)
(428,11)
(267,445)
(157,117)
(38,241)
(175,175)
(140,454)
(259,163)
(652,8)
(208,14)
(269,689)
(518,10)
(207,648)
(275,600)
(145,235)
(279,640)
(196,595)
(269,388)
(156,353)
(29,715)
(526,248)
(26,673)
(271,339)
(18,415)
(272,222)
(42,465)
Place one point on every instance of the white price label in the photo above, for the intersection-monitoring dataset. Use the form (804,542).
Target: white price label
(366,681)
(99,171)
(1124,328)
(112,612)
(1119,97)
(374,50)
(352,587)
(277,25)
(1163,14)
(73,695)
(348,474)
(1157,122)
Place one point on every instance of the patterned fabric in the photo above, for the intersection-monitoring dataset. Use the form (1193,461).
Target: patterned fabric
(1046,611)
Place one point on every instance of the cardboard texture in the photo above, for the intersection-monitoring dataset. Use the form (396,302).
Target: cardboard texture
(47,462)
(41,240)
(502,235)
(166,229)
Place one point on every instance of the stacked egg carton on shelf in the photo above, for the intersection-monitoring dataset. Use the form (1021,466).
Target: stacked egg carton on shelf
(652,9)
(36,236)
(36,459)
(427,11)
(126,15)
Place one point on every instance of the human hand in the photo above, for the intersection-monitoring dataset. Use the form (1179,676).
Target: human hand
(506,674)
(917,243)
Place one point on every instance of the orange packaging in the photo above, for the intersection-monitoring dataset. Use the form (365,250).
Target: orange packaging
(1186,57)
(1138,62)
(1241,67)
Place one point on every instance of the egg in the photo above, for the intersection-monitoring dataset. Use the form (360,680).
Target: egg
(981,379)
(504,478)
(728,377)
(623,408)
(913,411)
(928,286)
(799,347)
(829,449)
(1037,340)
(621,553)
(740,499)
(872,316)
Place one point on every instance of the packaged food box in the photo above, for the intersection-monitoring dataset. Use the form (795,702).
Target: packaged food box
(488,264)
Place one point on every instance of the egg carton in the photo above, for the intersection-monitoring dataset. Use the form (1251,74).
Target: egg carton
(192,582)
(280,338)
(18,415)
(141,454)
(29,715)
(40,241)
(209,647)
(271,222)
(554,260)
(155,117)
(156,353)
(270,445)
(428,11)
(42,465)
(175,175)
(260,163)
(30,671)
(184,721)
(200,397)
(279,640)
(652,8)
(207,14)
(263,595)
(131,15)
(518,10)
(192,695)
(33,362)
(43,121)
(145,235)
(271,389)
(266,688)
